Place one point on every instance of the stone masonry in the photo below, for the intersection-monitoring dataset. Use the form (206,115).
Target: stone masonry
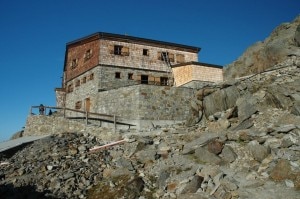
(101,67)
(194,71)
(143,103)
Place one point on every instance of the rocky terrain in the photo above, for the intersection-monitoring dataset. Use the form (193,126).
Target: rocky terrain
(283,42)
(242,140)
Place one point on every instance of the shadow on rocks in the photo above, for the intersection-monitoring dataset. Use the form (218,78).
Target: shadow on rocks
(25,192)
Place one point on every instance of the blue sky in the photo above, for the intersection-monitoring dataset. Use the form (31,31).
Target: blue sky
(33,36)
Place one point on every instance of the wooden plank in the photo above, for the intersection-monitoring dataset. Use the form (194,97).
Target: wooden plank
(107,145)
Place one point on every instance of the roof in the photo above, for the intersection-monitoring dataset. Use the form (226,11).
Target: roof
(130,39)
(4,146)
(197,63)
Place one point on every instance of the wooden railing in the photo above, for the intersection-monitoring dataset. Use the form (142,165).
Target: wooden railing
(86,115)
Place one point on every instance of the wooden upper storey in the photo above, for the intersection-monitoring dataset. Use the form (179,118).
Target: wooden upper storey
(122,50)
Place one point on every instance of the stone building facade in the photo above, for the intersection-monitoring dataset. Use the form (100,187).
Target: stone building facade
(124,75)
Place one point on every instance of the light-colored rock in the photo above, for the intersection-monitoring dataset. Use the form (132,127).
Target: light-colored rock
(259,152)
(205,156)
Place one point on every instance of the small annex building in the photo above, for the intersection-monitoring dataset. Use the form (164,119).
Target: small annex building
(141,80)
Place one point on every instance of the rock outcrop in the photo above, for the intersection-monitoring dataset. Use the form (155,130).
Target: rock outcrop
(282,43)
(276,87)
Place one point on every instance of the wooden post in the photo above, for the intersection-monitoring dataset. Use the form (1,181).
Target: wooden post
(86,117)
(30,111)
(115,123)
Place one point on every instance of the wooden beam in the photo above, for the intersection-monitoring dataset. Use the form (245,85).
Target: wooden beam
(107,145)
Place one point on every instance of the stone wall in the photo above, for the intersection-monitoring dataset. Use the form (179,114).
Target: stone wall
(60,97)
(101,52)
(87,89)
(77,60)
(184,73)
(103,79)
(136,59)
(146,102)
(108,80)
(42,124)
(50,125)
(133,103)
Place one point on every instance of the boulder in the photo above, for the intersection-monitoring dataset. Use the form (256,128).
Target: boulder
(162,178)
(215,147)
(228,154)
(205,156)
(296,109)
(146,155)
(281,171)
(246,108)
(220,100)
(246,124)
(285,128)
(193,185)
(259,152)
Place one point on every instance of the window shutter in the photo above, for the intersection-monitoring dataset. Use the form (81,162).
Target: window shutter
(125,51)
(159,55)
(151,80)
(111,49)
(138,77)
(157,80)
(171,57)
(180,58)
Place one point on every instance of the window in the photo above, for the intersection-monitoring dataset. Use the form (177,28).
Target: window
(163,81)
(91,77)
(163,56)
(77,83)
(83,80)
(74,63)
(180,58)
(70,88)
(130,76)
(118,75)
(78,105)
(88,54)
(144,79)
(145,52)
(118,50)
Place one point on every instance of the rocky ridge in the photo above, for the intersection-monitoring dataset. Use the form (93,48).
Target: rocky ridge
(284,41)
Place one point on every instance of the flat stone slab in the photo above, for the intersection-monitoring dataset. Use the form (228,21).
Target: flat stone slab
(19,141)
